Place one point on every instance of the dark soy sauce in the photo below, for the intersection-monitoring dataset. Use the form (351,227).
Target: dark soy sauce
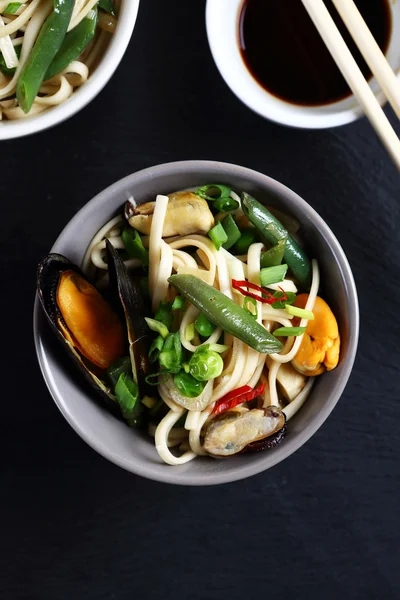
(285,54)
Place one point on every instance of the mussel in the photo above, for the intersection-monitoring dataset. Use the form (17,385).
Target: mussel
(186,213)
(242,430)
(95,332)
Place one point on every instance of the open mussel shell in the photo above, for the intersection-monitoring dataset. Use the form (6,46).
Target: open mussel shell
(245,430)
(86,325)
(134,310)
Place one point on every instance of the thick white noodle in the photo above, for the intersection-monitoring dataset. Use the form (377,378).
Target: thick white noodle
(195,434)
(164,271)
(202,243)
(97,251)
(160,210)
(161,440)
(63,93)
(99,237)
(20,21)
(82,14)
(257,373)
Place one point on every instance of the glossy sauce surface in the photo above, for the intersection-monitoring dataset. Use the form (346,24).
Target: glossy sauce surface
(284,52)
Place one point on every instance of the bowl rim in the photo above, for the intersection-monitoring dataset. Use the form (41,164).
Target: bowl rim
(287,449)
(89,90)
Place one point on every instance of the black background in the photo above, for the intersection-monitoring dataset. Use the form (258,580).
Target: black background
(324,524)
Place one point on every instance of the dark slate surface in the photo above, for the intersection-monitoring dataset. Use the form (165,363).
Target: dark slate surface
(322,525)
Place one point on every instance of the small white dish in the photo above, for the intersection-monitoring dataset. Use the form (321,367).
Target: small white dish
(222,21)
(89,90)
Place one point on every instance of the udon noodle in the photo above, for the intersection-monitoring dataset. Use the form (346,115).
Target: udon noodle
(20,27)
(242,365)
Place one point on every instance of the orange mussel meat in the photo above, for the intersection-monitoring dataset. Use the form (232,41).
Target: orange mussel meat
(91,324)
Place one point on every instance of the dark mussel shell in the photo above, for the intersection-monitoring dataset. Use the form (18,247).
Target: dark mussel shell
(267,443)
(48,276)
(131,298)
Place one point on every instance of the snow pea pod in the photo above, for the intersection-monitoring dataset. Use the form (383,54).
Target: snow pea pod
(273,231)
(47,45)
(224,313)
(74,44)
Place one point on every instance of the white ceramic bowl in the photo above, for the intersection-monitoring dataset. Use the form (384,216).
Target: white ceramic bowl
(89,90)
(222,20)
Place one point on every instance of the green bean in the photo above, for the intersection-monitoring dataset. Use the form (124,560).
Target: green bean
(74,44)
(273,231)
(47,45)
(224,313)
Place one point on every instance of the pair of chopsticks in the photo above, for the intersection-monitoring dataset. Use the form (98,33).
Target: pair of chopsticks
(373,56)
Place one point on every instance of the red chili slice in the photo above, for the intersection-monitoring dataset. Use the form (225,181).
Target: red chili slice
(236,397)
(265,298)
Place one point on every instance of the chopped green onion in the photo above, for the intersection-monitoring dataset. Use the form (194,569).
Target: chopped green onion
(178,303)
(157,326)
(218,236)
(299,312)
(122,365)
(164,314)
(248,237)
(170,358)
(134,246)
(149,402)
(155,376)
(186,367)
(225,205)
(289,298)
(253,302)
(218,348)
(189,332)
(214,191)
(289,331)
(231,230)
(12,8)
(127,393)
(155,349)
(273,256)
(204,326)
(273,275)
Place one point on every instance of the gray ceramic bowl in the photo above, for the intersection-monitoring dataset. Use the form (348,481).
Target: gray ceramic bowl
(134,451)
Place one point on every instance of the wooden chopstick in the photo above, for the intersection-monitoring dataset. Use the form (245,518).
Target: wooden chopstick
(353,75)
(371,51)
